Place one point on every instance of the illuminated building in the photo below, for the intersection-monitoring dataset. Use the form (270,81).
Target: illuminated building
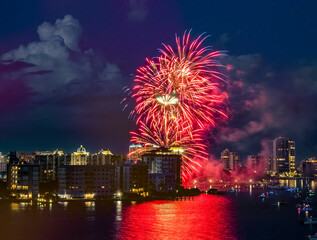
(103,157)
(132,177)
(49,162)
(23,179)
(164,168)
(284,156)
(253,161)
(177,150)
(230,160)
(258,163)
(136,151)
(80,157)
(266,161)
(26,157)
(86,181)
(309,168)
(118,159)
(3,167)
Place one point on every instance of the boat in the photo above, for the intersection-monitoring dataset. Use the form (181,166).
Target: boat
(272,193)
(292,190)
(311,220)
(232,190)
(262,195)
(305,207)
(312,237)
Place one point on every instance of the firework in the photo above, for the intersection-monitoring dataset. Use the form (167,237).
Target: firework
(177,97)
(183,84)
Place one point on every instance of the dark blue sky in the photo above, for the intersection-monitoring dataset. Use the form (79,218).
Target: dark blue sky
(63,87)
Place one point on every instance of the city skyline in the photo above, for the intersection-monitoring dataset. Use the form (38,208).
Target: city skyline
(267,150)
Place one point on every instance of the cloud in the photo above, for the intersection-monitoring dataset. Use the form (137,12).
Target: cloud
(51,87)
(266,103)
(67,28)
(55,42)
(249,101)
(58,61)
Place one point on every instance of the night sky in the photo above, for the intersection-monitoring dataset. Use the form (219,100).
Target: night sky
(64,64)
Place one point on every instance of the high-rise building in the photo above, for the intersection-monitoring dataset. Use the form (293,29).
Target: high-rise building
(132,177)
(86,181)
(3,167)
(253,161)
(80,157)
(103,157)
(23,179)
(118,159)
(49,162)
(284,156)
(164,168)
(309,168)
(26,157)
(259,163)
(265,161)
(230,160)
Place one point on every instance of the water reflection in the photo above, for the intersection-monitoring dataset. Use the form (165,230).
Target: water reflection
(28,206)
(298,183)
(231,217)
(64,204)
(16,207)
(207,217)
(118,210)
(90,205)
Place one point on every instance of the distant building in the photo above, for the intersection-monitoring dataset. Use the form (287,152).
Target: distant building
(284,156)
(132,177)
(309,168)
(118,159)
(230,160)
(49,162)
(103,157)
(86,181)
(3,167)
(258,163)
(23,179)
(164,169)
(253,161)
(26,157)
(80,157)
(266,162)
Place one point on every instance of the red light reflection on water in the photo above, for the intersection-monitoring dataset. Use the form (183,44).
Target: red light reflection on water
(207,217)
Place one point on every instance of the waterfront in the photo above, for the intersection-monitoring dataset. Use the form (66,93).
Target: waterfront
(240,215)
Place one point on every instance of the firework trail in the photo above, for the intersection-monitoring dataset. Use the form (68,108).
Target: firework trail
(177,98)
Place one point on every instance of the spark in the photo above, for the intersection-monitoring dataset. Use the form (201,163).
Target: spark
(177,99)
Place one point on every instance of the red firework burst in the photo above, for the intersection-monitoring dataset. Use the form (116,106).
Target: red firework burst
(177,97)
